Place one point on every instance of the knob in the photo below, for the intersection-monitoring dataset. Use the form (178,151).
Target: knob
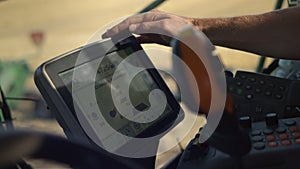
(272,119)
(245,122)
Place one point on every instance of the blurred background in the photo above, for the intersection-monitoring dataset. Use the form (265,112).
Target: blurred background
(33,31)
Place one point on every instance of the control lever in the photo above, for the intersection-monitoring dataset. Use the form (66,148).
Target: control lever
(229,137)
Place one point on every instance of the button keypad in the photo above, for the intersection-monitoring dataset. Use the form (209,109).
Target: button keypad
(268,109)
(285,135)
(271,94)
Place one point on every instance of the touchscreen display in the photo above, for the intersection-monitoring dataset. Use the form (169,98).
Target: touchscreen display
(139,90)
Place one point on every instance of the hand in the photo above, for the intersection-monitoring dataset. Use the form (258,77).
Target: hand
(154,26)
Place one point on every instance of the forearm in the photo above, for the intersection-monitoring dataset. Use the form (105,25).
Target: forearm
(274,34)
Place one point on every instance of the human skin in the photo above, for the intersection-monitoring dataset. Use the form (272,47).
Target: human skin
(274,34)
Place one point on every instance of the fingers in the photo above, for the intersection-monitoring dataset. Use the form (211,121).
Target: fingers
(145,27)
(154,38)
(136,19)
(163,24)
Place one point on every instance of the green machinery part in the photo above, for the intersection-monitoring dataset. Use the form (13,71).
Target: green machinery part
(13,75)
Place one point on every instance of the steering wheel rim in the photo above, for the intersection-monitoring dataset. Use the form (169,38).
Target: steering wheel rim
(18,144)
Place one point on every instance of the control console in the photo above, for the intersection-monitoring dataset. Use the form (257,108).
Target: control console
(268,109)
(275,147)
(256,95)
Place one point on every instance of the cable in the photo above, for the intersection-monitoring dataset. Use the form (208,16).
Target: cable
(7,120)
(22,99)
(6,112)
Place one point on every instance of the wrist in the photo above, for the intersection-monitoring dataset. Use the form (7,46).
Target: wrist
(198,23)
(213,28)
(204,25)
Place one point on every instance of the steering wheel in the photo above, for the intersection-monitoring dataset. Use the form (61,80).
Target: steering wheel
(18,144)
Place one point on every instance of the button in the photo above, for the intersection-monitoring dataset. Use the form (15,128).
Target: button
(136,126)
(113,113)
(281,88)
(245,121)
(257,138)
(248,87)
(243,76)
(268,131)
(283,136)
(273,144)
(290,122)
(293,128)
(272,119)
(239,91)
(249,96)
(268,93)
(286,142)
(297,141)
(271,85)
(296,135)
(278,96)
(280,130)
(261,82)
(258,90)
(255,133)
(231,88)
(270,137)
(252,79)
(239,83)
(259,145)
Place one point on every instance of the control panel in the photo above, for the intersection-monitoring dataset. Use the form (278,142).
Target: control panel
(284,134)
(276,147)
(268,110)
(261,97)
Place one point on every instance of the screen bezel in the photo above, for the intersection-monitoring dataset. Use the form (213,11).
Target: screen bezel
(69,61)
